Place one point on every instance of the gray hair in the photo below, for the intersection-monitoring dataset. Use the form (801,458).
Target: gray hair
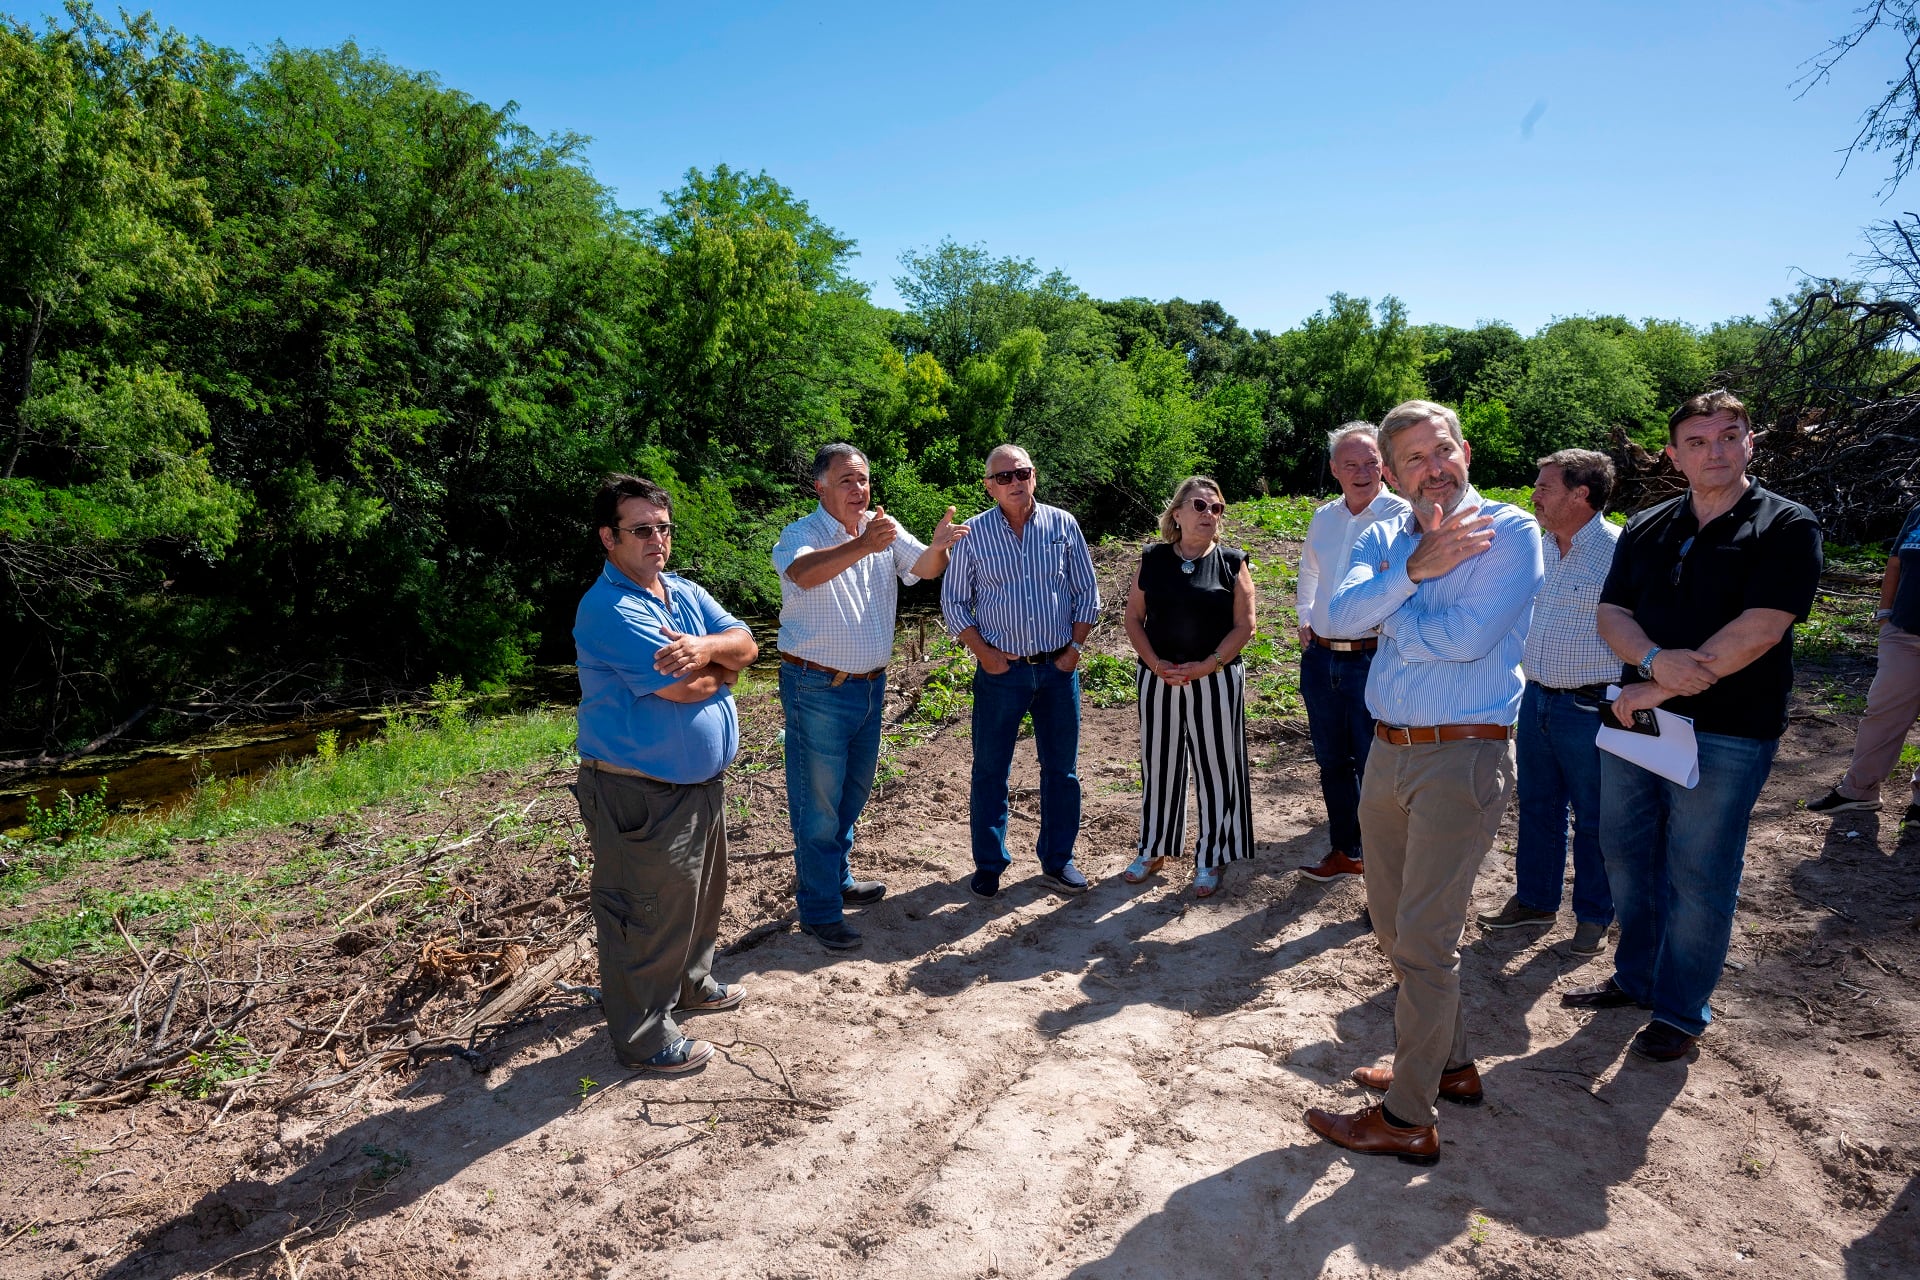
(1008,449)
(1348,430)
(829,454)
(1411,413)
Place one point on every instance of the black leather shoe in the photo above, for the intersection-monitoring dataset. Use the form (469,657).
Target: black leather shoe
(863,893)
(1660,1042)
(835,936)
(985,884)
(1602,995)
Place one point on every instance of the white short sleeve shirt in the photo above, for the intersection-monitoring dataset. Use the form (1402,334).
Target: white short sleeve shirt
(847,621)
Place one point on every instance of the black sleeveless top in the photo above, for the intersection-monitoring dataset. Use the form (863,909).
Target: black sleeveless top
(1188,614)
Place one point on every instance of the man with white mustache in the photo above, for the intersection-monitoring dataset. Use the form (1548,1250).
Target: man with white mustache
(1451,587)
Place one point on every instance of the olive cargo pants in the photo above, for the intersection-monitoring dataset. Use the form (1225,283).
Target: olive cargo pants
(659,881)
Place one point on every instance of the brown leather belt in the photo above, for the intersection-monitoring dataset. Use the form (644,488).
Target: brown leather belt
(839,677)
(1426,735)
(1366,645)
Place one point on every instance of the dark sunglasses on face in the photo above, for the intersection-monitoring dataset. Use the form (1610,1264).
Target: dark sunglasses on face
(645,531)
(1008,477)
(1208,508)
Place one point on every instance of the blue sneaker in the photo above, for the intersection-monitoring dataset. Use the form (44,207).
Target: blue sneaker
(985,884)
(682,1055)
(1066,880)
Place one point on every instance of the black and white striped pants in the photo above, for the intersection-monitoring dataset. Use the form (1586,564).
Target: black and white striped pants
(1203,723)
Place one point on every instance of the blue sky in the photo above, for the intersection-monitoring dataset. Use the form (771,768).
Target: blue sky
(1261,154)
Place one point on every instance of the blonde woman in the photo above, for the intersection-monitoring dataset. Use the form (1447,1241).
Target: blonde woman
(1189,614)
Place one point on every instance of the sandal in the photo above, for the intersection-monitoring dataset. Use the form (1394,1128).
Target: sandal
(1140,868)
(1206,881)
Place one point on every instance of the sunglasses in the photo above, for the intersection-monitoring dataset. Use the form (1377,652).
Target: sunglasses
(1008,477)
(1681,563)
(645,531)
(1208,508)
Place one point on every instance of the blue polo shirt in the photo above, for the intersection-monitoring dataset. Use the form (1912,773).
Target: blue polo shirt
(623,721)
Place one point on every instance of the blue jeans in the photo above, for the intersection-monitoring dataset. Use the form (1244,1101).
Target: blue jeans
(1334,687)
(833,745)
(1560,768)
(999,702)
(1674,859)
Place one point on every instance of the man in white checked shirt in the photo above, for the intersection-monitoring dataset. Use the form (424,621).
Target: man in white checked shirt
(840,570)
(1568,667)
(1021,595)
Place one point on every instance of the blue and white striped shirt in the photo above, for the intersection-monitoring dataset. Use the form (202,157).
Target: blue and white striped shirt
(1450,647)
(1023,593)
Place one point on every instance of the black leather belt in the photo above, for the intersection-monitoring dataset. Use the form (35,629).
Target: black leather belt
(1596,692)
(1034,660)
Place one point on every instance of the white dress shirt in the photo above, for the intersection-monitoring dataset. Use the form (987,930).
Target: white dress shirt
(847,621)
(1564,649)
(1329,553)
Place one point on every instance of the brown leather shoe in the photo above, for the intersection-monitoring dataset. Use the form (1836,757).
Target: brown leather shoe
(1333,866)
(1369,1133)
(1461,1086)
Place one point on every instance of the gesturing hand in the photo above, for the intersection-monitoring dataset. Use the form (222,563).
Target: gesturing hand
(946,533)
(880,532)
(1446,542)
(682,653)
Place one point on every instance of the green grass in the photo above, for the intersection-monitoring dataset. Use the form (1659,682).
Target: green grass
(1107,681)
(409,763)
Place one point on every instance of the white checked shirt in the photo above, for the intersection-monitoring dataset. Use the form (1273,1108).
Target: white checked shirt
(847,621)
(1023,593)
(1329,553)
(1564,649)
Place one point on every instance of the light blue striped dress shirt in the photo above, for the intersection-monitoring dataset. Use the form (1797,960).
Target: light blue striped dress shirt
(1450,647)
(1025,593)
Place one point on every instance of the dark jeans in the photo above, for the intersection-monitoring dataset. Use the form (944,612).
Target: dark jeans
(999,702)
(1674,859)
(1334,687)
(833,746)
(1560,770)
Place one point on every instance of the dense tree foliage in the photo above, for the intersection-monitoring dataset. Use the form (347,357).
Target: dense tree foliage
(308,363)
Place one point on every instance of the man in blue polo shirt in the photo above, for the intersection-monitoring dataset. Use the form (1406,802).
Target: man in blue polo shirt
(657,659)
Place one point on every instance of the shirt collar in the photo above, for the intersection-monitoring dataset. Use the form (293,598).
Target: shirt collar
(618,579)
(1589,531)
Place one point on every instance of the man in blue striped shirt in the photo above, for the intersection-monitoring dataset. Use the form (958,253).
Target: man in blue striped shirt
(1451,587)
(1020,594)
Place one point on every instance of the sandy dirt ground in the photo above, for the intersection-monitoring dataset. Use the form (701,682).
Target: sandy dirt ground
(1103,1086)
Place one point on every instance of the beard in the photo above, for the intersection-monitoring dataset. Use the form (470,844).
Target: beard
(1442,502)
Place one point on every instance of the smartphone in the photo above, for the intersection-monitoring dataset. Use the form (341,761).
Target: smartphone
(1644,721)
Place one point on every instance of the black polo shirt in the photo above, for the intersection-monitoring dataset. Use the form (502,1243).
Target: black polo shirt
(1763,554)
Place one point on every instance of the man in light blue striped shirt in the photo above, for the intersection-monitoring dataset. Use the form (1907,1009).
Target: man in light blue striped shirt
(1451,588)
(1020,594)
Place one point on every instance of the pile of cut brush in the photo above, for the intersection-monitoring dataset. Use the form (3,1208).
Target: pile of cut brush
(407,943)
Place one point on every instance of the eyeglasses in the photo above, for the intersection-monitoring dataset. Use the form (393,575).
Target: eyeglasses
(645,531)
(1681,563)
(1009,476)
(1208,508)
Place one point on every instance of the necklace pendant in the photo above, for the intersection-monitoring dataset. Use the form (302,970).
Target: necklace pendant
(1186,566)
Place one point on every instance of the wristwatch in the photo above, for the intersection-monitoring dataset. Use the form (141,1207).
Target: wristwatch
(1076,646)
(1646,663)
(1881,615)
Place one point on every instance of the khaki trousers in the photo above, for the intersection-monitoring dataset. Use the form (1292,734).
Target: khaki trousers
(659,881)
(1893,701)
(1428,815)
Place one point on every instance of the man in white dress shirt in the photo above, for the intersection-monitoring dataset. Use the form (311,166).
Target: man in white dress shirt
(1568,667)
(840,570)
(1333,666)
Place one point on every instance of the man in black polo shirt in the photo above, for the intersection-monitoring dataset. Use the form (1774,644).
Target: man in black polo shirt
(1700,605)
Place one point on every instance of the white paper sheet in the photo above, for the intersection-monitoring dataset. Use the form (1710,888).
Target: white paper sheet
(1674,755)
